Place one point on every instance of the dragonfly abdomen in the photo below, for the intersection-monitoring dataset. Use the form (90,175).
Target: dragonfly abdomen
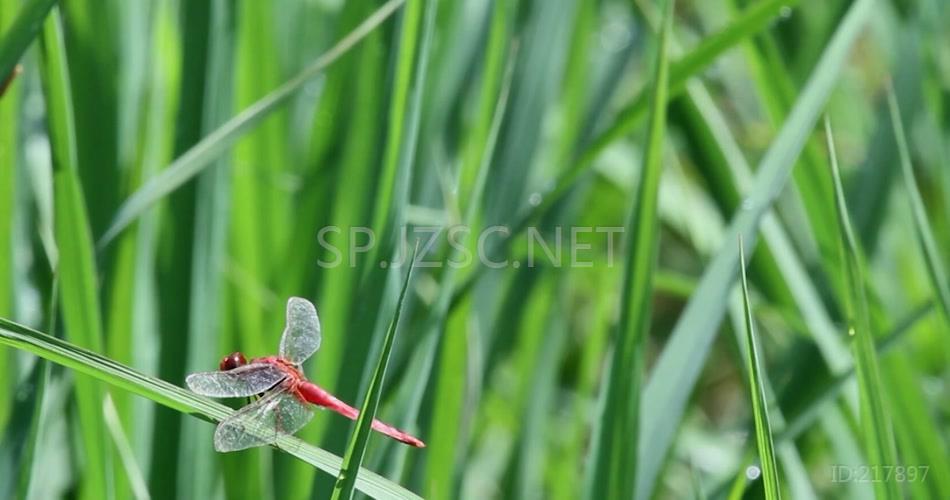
(314,394)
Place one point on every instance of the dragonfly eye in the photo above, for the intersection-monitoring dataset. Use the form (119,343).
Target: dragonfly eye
(232,361)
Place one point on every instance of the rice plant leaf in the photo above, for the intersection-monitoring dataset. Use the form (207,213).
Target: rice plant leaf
(116,374)
(352,201)
(925,236)
(199,471)
(829,390)
(876,430)
(404,119)
(412,391)
(679,365)
(874,181)
(760,406)
(201,155)
(9,149)
(751,21)
(76,266)
(130,467)
(615,461)
(15,40)
(19,434)
(777,266)
(18,456)
(401,135)
(343,489)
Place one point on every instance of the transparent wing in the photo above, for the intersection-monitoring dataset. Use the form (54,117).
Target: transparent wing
(302,334)
(262,422)
(240,382)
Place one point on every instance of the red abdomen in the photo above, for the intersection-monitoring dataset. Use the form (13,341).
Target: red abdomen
(312,393)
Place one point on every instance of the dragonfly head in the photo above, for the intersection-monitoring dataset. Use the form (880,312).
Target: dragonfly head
(232,361)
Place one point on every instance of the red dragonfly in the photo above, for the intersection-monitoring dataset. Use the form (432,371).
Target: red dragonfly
(286,395)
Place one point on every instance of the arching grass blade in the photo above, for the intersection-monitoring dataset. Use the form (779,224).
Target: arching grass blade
(111,372)
(200,155)
(747,24)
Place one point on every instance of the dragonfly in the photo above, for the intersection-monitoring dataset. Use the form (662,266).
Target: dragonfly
(285,397)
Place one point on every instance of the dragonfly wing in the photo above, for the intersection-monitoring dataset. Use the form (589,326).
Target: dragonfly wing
(302,334)
(240,382)
(262,422)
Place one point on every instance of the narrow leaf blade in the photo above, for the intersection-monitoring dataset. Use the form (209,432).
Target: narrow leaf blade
(925,236)
(343,489)
(760,407)
(615,460)
(876,430)
(678,367)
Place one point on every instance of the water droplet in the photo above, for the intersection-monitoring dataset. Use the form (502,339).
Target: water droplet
(785,12)
(752,472)
(850,332)
(535,199)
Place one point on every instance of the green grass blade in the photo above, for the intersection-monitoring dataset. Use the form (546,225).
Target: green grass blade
(97,366)
(537,362)
(91,33)
(789,276)
(199,471)
(200,155)
(343,489)
(678,367)
(472,171)
(76,267)
(33,432)
(421,364)
(917,434)
(9,149)
(830,388)
(352,203)
(130,467)
(760,406)
(413,42)
(751,21)
(19,434)
(615,462)
(754,19)
(400,142)
(872,188)
(444,345)
(15,40)
(776,89)
(877,433)
(925,235)
(827,390)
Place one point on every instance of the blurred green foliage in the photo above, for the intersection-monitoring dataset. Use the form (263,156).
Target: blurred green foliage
(171,171)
